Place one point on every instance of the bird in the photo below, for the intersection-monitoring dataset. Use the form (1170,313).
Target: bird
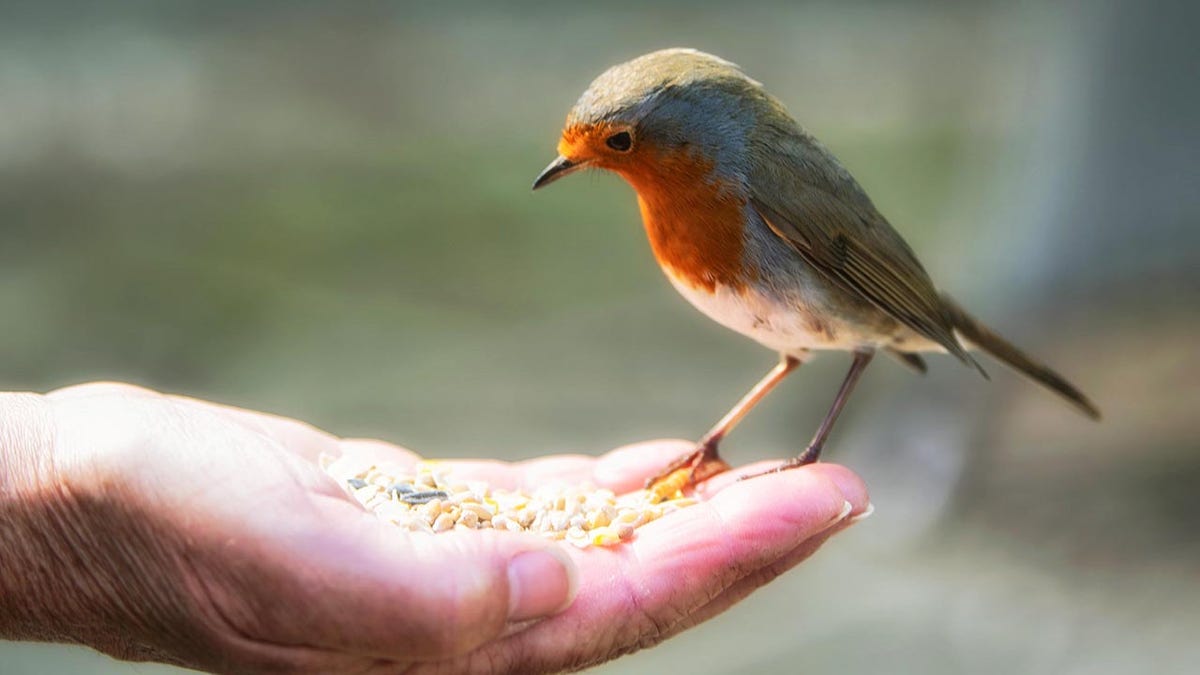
(762,229)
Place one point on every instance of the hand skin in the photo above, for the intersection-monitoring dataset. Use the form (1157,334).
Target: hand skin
(155,527)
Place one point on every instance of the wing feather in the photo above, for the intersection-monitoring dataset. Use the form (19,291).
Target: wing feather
(818,209)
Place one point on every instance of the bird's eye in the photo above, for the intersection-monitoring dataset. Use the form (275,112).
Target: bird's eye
(620,141)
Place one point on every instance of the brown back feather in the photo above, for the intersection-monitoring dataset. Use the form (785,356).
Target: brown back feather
(811,202)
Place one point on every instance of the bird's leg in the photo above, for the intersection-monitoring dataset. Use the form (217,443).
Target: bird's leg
(813,452)
(703,462)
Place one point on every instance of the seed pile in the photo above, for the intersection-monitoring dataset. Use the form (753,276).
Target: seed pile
(427,498)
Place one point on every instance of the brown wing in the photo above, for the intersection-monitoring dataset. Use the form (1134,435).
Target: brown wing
(814,205)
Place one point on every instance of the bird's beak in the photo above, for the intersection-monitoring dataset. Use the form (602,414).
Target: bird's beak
(560,167)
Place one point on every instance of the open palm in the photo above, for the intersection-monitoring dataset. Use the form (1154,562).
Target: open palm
(214,540)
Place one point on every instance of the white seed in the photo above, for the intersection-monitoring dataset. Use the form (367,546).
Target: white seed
(420,526)
(468,519)
(628,516)
(604,536)
(444,522)
(579,515)
(559,520)
(481,511)
(393,511)
(526,517)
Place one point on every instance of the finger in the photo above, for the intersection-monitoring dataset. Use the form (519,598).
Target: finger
(372,590)
(852,487)
(621,470)
(630,594)
(757,579)
(496,473)
(356,456)
(739,529)
(525,475)
(299,437)
(850,484)
(378,451)
(570,469)
(627,468)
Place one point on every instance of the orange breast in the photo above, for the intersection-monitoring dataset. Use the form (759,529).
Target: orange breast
(695,225)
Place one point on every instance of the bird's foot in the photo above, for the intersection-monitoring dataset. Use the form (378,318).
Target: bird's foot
(809,456)
(695,467)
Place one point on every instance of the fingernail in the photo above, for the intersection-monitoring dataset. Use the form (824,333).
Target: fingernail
(847,507)
(865,514)
(540,583)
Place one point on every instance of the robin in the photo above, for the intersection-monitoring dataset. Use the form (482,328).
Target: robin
(762,229)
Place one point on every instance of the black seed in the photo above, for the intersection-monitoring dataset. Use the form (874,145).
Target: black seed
(423,497)
(356,483)
(401,488)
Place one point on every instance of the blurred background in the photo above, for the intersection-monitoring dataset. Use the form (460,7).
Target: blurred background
(323,210)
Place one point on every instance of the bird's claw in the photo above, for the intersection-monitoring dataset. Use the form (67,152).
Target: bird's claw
(804,459)
(695,467)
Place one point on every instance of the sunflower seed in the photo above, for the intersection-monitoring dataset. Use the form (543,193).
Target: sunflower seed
(423,497)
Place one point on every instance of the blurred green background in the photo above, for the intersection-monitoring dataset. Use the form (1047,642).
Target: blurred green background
(323,210)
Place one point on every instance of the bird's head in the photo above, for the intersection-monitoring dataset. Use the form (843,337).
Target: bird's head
(640,118)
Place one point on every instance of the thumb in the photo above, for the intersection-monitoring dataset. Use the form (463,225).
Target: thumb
(414,596)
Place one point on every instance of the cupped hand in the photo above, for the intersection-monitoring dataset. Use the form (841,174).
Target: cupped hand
(165,528)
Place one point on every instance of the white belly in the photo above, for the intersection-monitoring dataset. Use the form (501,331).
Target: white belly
(784,326)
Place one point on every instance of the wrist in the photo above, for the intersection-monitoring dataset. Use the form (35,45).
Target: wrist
(84,558)
(27,562)
(52,571)
(26,441)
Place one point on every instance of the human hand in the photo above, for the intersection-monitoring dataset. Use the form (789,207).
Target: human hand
(164,528)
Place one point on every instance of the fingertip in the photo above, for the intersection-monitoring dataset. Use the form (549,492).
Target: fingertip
(852,487)
(742,528)
(802,500)
(864,514)
(541,583)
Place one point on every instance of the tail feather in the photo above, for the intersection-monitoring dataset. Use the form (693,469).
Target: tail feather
(981,336)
